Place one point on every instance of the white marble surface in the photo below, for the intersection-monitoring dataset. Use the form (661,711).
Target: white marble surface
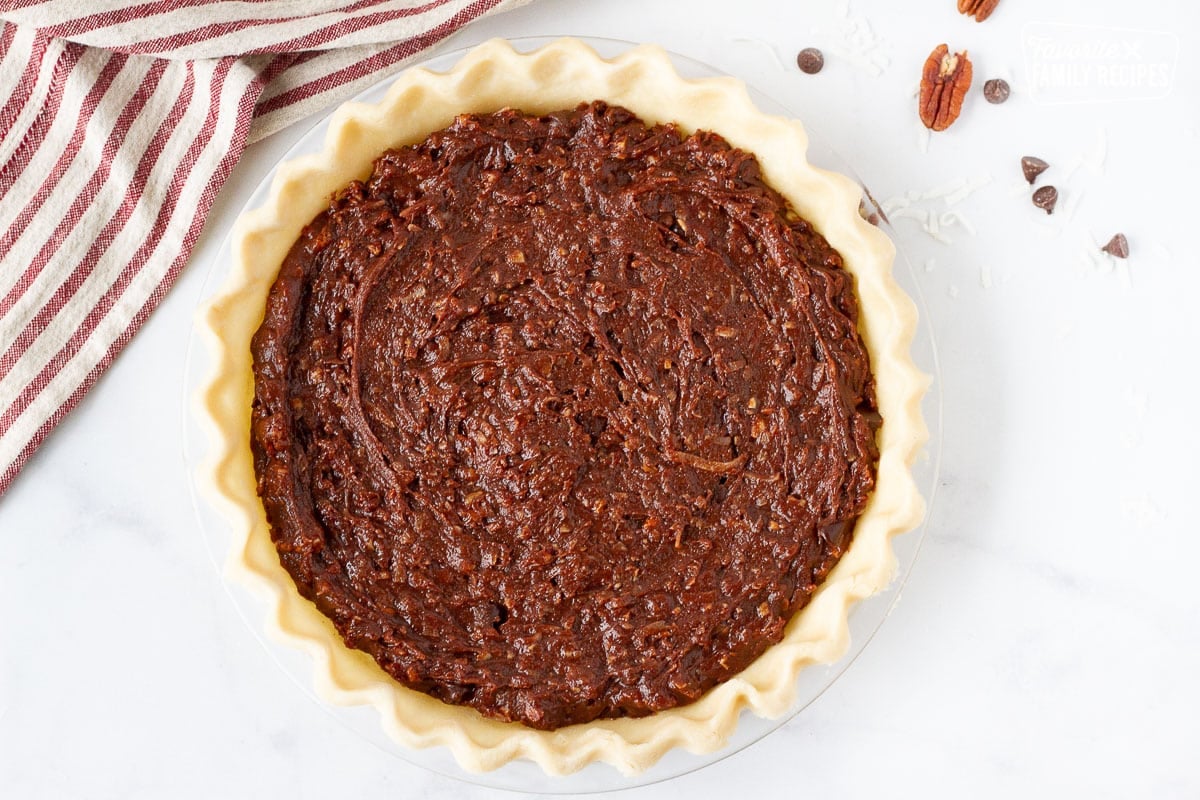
(1048,640)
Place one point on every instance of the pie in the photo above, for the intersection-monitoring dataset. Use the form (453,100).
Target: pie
(563,407)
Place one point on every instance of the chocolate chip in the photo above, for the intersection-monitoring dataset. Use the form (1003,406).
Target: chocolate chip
(1117,247)
(810,60)
(1046,198)
(996,91)
(1033,166)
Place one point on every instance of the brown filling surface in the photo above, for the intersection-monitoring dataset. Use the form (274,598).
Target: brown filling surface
(562,417)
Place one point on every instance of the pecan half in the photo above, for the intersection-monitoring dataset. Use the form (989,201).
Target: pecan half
(979,9)
(944,83)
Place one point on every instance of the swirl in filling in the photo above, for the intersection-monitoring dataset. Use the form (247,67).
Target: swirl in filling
(562,417)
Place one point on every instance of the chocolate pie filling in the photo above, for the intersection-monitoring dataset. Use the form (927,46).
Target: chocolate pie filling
(562,417)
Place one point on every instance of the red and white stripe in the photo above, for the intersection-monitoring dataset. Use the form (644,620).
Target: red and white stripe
(114,144)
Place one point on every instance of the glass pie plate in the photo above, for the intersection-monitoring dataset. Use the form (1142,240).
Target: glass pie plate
(865,617)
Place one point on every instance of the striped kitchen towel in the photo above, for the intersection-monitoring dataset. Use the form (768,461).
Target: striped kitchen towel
(119,122)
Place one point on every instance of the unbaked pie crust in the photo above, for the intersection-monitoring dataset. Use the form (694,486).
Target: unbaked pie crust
(557,76)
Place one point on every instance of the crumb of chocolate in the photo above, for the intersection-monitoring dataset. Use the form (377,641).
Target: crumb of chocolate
(810,60)
(1117,247)
(1033,166)
(1046,198)
(996,91)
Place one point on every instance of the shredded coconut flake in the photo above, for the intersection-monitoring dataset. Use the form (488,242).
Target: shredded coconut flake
(1099,154)
(969,187)
(853,39)
(1069,206)
(1072,167)
(908,212)
(915,204)
(762,44)
(1124,273)
(957,218)
(985,276)
(944,190)
(1141,511)
(1140,402)
(932,227)
(1098,260)
(1086,263)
